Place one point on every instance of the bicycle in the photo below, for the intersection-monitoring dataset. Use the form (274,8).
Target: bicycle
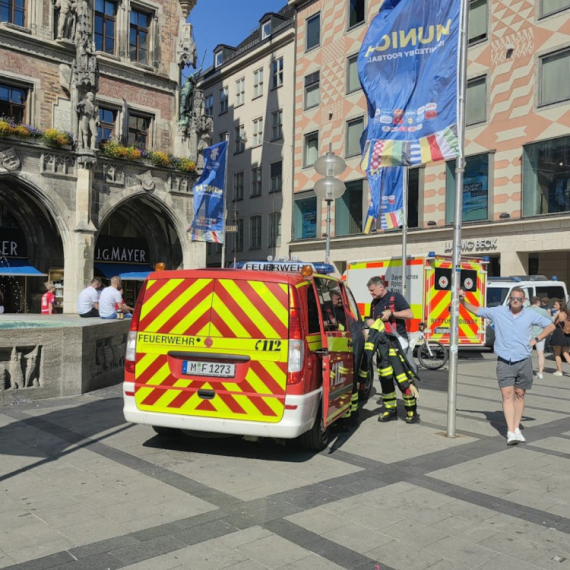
(430,354)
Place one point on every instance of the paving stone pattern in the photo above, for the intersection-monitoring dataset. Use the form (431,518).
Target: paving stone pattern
(81,489)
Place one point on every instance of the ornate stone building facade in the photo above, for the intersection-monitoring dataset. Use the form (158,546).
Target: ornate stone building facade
(99,70)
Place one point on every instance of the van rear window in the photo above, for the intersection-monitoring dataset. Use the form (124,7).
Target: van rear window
(496,296)
(552,292)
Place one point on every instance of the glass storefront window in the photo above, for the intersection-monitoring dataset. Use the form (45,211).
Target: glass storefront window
(475,189)
(546,177)
(305,218)
(348,210)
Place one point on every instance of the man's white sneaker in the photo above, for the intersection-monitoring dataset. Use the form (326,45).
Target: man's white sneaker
(519,434)
(539,377)
(512,438)
(557,373)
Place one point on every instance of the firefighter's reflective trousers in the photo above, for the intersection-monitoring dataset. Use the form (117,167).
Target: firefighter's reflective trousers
(391,367)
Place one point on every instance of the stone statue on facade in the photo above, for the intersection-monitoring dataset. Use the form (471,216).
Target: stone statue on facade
(88,122)
(66,19)
(186,52)
(187,95)
(85,67)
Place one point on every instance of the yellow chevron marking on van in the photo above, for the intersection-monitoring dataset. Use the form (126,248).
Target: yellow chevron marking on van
(229,318)
(270,300)
(157,297)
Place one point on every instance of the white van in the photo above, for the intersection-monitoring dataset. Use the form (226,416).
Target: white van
(499,290)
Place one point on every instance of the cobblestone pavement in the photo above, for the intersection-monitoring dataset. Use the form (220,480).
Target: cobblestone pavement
(82,489)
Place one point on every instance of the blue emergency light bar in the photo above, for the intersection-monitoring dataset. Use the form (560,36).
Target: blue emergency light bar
(285,266)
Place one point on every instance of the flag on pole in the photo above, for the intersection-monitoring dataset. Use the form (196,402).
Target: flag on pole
(408,67)
(386,199)
(208,222)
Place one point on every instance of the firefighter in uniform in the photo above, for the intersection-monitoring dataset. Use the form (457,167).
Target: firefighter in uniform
(392,308)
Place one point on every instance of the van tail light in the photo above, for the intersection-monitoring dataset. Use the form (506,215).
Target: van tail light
(296,356)
(131,351)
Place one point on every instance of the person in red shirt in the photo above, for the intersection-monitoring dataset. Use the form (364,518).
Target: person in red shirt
(48,299)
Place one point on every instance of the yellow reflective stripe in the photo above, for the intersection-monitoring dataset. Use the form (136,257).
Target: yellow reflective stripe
(229,318)
(160,295)
(281,312)
(378,325)
(150,283)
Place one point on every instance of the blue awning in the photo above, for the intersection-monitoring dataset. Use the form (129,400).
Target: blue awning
(126,271)
(18,268)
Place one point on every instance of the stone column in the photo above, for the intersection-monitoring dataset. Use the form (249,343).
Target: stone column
(514,263)
(78,266)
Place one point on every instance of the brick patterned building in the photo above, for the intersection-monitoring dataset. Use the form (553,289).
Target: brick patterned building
(517,187)
(69,211)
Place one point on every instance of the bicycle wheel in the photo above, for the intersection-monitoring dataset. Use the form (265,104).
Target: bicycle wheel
(434,357)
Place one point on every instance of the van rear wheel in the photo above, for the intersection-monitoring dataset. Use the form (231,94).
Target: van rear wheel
(318,437)
(166,431)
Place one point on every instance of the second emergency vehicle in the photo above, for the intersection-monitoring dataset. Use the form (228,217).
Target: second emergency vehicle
(428,279)
(246,352)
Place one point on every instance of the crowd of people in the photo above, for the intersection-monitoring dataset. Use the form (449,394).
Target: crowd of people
(107,303)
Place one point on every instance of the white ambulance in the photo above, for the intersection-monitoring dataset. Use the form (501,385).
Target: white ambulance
(428,280)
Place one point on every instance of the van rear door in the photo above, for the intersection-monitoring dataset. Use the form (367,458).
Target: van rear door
(219,352)
(338,360)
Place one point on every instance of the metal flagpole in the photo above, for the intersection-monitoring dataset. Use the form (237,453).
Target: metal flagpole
(457,222)
(223,264)
(405,233)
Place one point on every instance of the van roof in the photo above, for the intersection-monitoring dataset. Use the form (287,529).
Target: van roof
(219,273)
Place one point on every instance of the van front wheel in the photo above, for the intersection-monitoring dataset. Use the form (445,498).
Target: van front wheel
(317,438)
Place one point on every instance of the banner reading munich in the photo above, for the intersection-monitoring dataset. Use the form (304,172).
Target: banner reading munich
(408,67)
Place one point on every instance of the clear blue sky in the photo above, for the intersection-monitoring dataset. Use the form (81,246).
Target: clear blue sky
(227,22)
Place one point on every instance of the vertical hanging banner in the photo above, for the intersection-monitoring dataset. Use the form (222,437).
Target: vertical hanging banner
(208,222)
(386,198)
(408,67)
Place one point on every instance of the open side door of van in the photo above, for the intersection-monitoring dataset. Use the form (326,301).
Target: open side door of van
(338,360)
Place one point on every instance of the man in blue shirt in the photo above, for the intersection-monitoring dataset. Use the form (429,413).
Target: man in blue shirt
(513,347)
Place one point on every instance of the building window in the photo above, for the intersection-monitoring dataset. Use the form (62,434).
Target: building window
(546,177)
(352,80)
(313,31)
(266,30)
(554,73)
(223,136)
(477,21)
(257,132)
(276,177)
(209,105)
(258,83)
(138,131)
(105,18)
(475,189)
(277,125)
(355,12)
(275,229)
(223,100)
(238,186)
(256,181)
(312,84)
(218,58)
(13,12)
(13,102)
(240,91)
(277,73)
(138,39)
(240,138)
(305,218)
(476,102)
(239,235)
(354,130)
(548,7)
(255,232)
(311,149)
(106,126)
(348,210)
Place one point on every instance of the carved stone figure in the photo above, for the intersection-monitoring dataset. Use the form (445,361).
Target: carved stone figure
(187,98)
(9,159)
(66,19)
(85,66)
(32,368)
(186,50)
(88,122)
(16,374)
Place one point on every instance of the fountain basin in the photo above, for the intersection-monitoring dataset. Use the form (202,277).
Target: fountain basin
(58,355)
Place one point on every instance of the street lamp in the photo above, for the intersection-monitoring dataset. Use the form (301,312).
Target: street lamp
(330,187)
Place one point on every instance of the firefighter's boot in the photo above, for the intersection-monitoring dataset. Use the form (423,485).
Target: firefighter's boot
(390,407)
(412,418)
(388,416)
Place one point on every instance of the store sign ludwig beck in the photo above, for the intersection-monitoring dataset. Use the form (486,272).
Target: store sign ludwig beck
(473,245)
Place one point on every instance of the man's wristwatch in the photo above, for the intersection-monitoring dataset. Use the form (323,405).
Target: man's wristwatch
(536,339)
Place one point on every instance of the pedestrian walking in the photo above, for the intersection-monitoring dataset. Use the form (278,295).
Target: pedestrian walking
(48,299)
(88,301)
(561,337)
(513,344)
(535,303)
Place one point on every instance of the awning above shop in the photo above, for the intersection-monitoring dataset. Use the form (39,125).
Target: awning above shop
(18,268)
(126,271)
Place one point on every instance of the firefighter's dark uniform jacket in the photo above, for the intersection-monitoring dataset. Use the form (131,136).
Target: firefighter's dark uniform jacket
(392,365)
